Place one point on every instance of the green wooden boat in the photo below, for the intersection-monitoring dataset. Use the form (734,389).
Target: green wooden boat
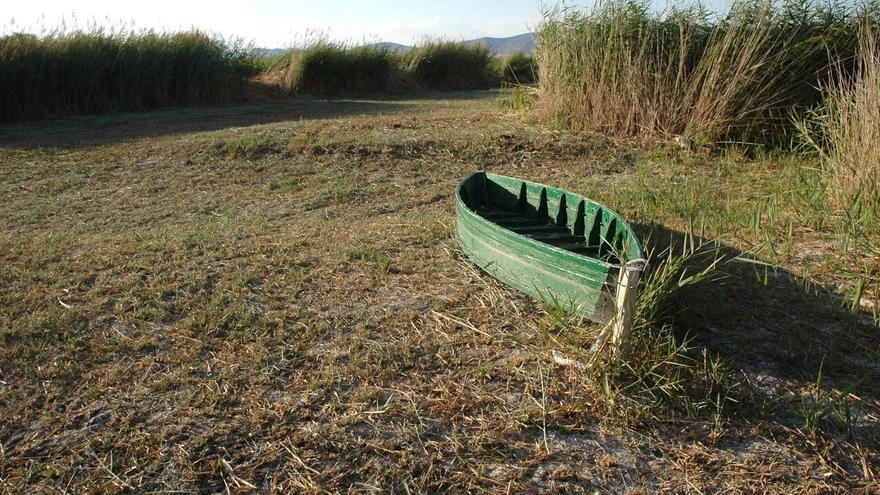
(548,242)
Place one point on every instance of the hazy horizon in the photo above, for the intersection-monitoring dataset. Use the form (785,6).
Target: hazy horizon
(272,23)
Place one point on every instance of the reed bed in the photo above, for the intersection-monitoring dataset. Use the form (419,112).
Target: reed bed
(687,73)
(86,72)
(846,131)
(438,64)
(331,68)
(519,68)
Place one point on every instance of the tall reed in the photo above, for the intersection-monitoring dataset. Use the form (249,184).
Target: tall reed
(328,68)
(846,129)
(625,70)
(438,64)
(324,67)
(96,71)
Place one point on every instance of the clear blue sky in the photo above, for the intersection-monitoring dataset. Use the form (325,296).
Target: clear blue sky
(278,23)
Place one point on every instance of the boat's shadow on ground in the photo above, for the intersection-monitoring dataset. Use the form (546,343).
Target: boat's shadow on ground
(776,328)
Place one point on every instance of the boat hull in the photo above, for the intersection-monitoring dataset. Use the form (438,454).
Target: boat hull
(581,278)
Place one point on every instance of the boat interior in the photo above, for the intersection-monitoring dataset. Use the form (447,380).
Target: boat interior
(583,228)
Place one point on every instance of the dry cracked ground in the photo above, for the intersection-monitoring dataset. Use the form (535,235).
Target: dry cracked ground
(269,298)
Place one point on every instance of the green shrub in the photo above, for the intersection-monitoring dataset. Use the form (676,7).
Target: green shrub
(327,68)
(448,65)
(94,72)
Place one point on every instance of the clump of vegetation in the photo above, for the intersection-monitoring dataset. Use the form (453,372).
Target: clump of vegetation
(328,68)
(662,370)
(519,68)
(93,72)
(87,72)
(448,65)
(625,70)
(661,374)
(518,97)
(846,130)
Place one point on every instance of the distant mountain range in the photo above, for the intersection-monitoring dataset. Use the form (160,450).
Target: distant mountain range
(507,46)
(497,46)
